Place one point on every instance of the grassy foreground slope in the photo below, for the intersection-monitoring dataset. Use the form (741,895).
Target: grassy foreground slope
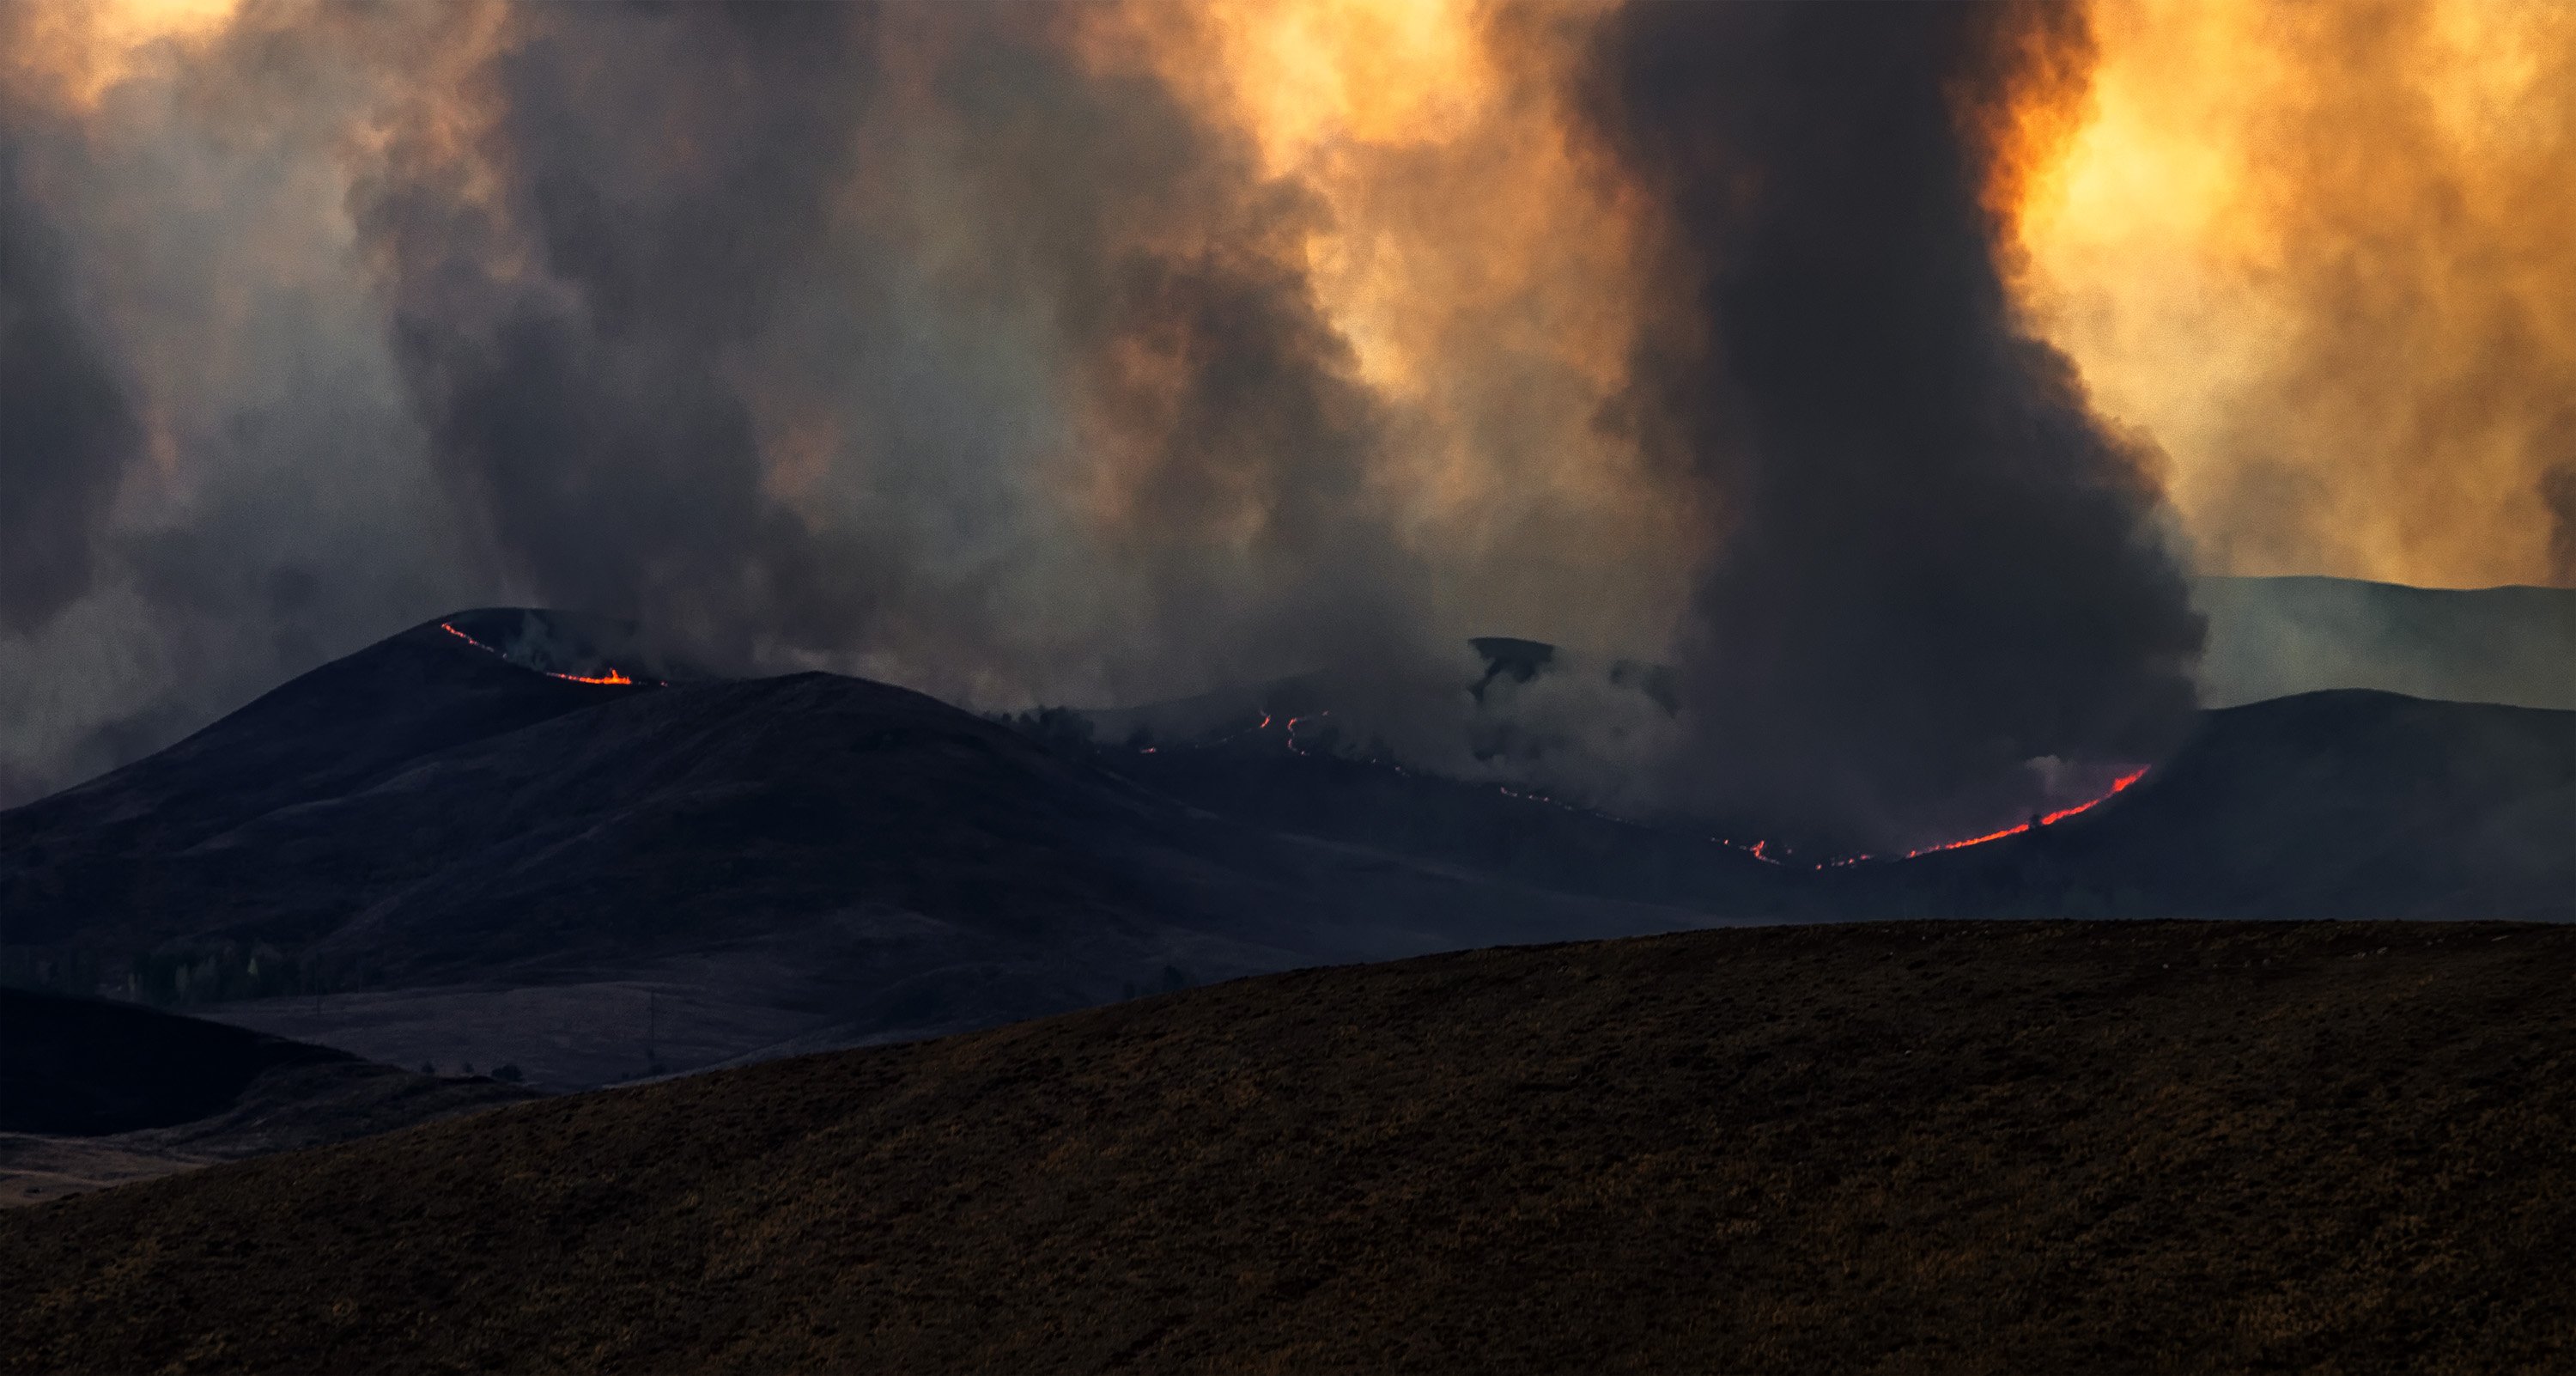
(1956,1147)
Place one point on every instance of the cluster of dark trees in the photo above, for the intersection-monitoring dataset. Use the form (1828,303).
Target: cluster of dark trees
(169,977)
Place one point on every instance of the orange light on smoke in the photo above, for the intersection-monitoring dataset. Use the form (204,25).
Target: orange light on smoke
(77,50)
(2321,255)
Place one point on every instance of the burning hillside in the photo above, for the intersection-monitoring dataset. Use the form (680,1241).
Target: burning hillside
(609,675)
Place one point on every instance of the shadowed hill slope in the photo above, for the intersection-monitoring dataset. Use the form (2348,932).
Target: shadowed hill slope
(801,860)
(92,1092)
(88,1066)
(1957,1147)
(2344,804)
(431,852)
(425,811)
(132,855)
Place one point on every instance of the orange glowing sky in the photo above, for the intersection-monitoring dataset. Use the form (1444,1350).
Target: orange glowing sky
(1482,268)
(2325,256)
(2321,255)
(82,48)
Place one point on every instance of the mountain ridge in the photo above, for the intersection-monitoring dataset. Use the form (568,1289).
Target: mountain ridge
(430,852)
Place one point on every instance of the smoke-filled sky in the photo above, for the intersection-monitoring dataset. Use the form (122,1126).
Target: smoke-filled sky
(1883,369)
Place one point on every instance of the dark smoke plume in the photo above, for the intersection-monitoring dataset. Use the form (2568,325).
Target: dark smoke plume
(2558,493)
(914,341)
(1934,565)
(666,175)
(66,428)
(792,327)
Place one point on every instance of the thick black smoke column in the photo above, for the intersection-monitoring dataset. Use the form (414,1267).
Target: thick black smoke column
(1932,565)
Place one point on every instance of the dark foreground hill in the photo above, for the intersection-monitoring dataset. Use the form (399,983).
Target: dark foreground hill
(1955,1147)
(93,1092)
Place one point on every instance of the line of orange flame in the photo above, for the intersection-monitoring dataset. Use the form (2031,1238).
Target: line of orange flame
(612,676)
(2117,785)
(1761,850)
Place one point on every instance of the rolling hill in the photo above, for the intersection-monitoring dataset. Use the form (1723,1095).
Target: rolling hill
(2272,637)
(2350,804)
(484,841)
(429,852)
(2029,1146)
(2347,804)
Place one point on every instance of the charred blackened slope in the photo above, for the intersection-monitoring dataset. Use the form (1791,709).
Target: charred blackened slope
(1930,565)
(126,859)
(2347,804)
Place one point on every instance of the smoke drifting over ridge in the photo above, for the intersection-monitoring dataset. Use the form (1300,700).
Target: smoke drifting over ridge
(704,348)
(1934,564)
(579,295)
(1088,353)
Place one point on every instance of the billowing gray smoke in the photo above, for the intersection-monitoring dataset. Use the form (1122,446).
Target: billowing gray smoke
(67,430)
(895,340)
(784,321)
(1934,565)
(670,174)
(922,341)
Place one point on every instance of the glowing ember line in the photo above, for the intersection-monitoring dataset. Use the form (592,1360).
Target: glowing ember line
(1769,854)
(1292,731)
(1766,851)
(2117,785)
(613,676)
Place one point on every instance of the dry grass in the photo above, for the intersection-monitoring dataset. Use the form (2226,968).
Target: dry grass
(1951,1147)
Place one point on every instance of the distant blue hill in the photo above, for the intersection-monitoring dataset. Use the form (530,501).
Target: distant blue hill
(2272,637)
